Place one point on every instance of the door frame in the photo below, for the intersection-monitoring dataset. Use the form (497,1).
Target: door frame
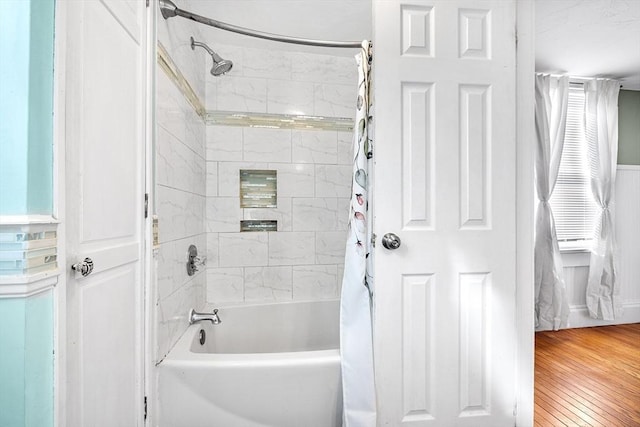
(59,212)
(59,207)
(525,134)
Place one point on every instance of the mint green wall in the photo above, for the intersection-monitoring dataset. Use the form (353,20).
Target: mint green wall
(629,127)
(26,361)
(14,105)
(12,336)
(26,106)
(40,158)
(38,360)
(26,175)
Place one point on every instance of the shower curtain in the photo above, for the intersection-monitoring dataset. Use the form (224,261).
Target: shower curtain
(356,304)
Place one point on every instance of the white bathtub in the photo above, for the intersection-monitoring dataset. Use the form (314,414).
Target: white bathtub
(275,365)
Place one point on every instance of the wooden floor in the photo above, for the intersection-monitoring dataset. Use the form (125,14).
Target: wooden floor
(588,377)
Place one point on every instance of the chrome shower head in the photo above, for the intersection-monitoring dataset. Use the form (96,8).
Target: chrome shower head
(220,66)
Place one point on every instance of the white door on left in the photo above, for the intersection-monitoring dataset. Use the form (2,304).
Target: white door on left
(104,194)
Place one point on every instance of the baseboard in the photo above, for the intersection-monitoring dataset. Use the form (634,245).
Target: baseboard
(579,316)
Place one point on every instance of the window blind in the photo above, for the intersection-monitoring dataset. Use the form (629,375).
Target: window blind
(572,201)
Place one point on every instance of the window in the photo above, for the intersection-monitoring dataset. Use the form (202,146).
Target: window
(572,202)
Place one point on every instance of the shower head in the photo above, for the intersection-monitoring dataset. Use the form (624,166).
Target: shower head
(220,66)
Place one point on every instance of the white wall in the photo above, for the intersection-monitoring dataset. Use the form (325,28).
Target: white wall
(576,265)
(303,260)
(179,185)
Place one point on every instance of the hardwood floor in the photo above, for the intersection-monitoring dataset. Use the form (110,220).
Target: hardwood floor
(588,377)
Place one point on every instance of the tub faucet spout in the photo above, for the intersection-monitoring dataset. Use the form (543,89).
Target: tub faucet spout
(194,317)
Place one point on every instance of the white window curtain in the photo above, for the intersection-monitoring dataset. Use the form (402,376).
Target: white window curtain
(601,126)
(551,101)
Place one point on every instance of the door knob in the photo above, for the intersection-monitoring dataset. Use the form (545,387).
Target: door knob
(85,267)
(391,241)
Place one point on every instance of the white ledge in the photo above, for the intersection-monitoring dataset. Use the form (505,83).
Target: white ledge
(26,286)
(27,219)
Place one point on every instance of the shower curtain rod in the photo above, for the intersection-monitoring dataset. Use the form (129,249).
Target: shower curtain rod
(169,10)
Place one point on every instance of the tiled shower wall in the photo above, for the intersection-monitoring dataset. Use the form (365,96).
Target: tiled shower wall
(179,186)
(303,260)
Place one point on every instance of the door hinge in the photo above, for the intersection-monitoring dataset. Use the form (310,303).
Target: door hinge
(373,239)
(146,205)
(145,408)
(147,3)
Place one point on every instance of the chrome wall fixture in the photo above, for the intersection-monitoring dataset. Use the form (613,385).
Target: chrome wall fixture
(220,66)
(169,10)
(193,260)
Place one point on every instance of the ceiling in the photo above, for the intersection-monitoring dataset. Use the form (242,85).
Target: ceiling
(589,38)
(584,38)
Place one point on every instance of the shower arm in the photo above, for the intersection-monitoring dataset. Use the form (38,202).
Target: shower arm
(169,10)
(215,56)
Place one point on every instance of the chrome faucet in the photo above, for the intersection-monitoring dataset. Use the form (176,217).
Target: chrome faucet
(194,317)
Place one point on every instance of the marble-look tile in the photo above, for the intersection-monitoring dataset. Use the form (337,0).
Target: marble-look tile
(196,132)
(315,282)
(267,284)
(212,179)
(267,64)
(229,177)
(330,247)
(333,180)
(212,250)
(295,248)
(224,143)
(315,214)
(171,110)
(211,87)
(180,214)
(335,100)
(282,214)
(243,249)
(267,145)
(177,165)
(245,94)
(223,214)
(172,313)
(171,272)
(314,146)
(287,97)
(174,36)
(316,68)
(295,179)
(225,285)
(345,148)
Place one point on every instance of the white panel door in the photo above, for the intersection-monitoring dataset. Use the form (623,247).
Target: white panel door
(445,153)
(104,208)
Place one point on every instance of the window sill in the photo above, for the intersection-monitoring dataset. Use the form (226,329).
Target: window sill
(575,257)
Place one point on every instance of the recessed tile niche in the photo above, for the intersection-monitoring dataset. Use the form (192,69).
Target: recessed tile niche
(258,188)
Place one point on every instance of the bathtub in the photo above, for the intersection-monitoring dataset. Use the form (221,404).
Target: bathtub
(275,365)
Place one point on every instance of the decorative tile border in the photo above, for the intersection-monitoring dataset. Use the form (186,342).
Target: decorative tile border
(279,121)
(175,75)
(231,118)
(28,249)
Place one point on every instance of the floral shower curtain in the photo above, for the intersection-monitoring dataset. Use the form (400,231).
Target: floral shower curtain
(601,125)
(356,305)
